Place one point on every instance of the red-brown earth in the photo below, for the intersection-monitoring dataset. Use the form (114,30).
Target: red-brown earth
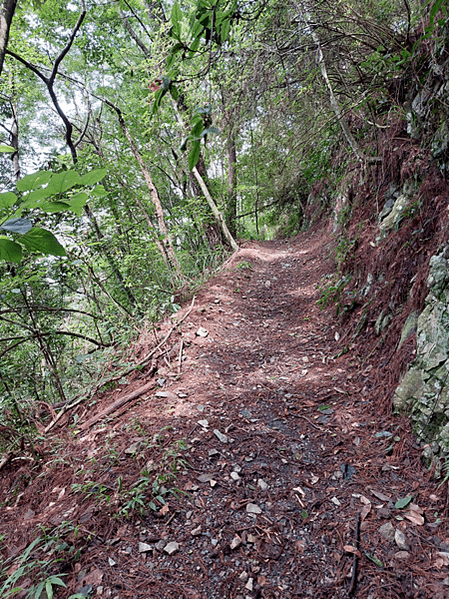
(252,461)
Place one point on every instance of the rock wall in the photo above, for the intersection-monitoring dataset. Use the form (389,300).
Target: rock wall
(424,389)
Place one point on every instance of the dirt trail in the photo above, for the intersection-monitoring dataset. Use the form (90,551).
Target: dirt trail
(286,462)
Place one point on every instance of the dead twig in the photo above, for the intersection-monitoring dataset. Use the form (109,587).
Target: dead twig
(355,559)
(180,357)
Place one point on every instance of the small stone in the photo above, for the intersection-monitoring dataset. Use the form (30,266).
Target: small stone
(213,453)
(196,532)
(249,585)
(202,332)
(262,484)
(204,423)
(336,502)
(402,555)
(252,508)
(446,582)
(135,448)
(236,542)
(171,548)
(205,478)
(160,545)
(387,531)
(144,548)
(401,540)
(220,436)
(251,538)
(235,476)
(244,576)
(111,562)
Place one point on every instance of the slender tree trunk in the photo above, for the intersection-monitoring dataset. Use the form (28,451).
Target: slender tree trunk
(231,209)
(358,152)
(215,210)
(166,241)
(6,15)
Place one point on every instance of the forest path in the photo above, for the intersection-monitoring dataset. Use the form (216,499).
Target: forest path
(272,446)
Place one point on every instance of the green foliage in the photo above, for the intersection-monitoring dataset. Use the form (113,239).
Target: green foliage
(41,191)
(36,561)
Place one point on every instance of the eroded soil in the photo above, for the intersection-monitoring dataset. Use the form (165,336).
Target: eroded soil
(261,450)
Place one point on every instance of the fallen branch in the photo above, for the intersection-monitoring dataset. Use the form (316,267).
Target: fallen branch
(141,363)
(117,404)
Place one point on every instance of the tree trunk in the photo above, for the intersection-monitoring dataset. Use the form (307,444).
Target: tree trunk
(6,15)
(215,210)
(231,209)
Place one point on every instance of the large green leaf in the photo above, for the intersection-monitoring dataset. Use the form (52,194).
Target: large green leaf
(53,207)
(33,181)
(17,225)
(61,182)
(194,154)
(41,240)
(10,250)
(7,199)
(176,18)
(6,149)
(93,177)
(78,202)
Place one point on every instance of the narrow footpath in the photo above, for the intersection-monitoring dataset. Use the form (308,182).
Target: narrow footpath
(275,472)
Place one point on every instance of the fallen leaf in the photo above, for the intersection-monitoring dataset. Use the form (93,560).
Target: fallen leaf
(352,549)
(164,509)
(365,511)
(414,517)
(380,496)
(442,560)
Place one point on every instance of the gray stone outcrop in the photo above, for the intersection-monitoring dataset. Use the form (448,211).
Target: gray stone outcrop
(425,387)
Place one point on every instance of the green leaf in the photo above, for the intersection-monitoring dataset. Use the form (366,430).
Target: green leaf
(61,182)
(6,149)
(7,199)
(78,202)
(402,503)
(176,18)
(374,559)
(94,176)
(43,241)
(197,128)
(17,225)
(194,154)
(53,207)
(10,250)
(174,92)
(33,181)
(31,199)
(194,46)
(225,28)
(99,191)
